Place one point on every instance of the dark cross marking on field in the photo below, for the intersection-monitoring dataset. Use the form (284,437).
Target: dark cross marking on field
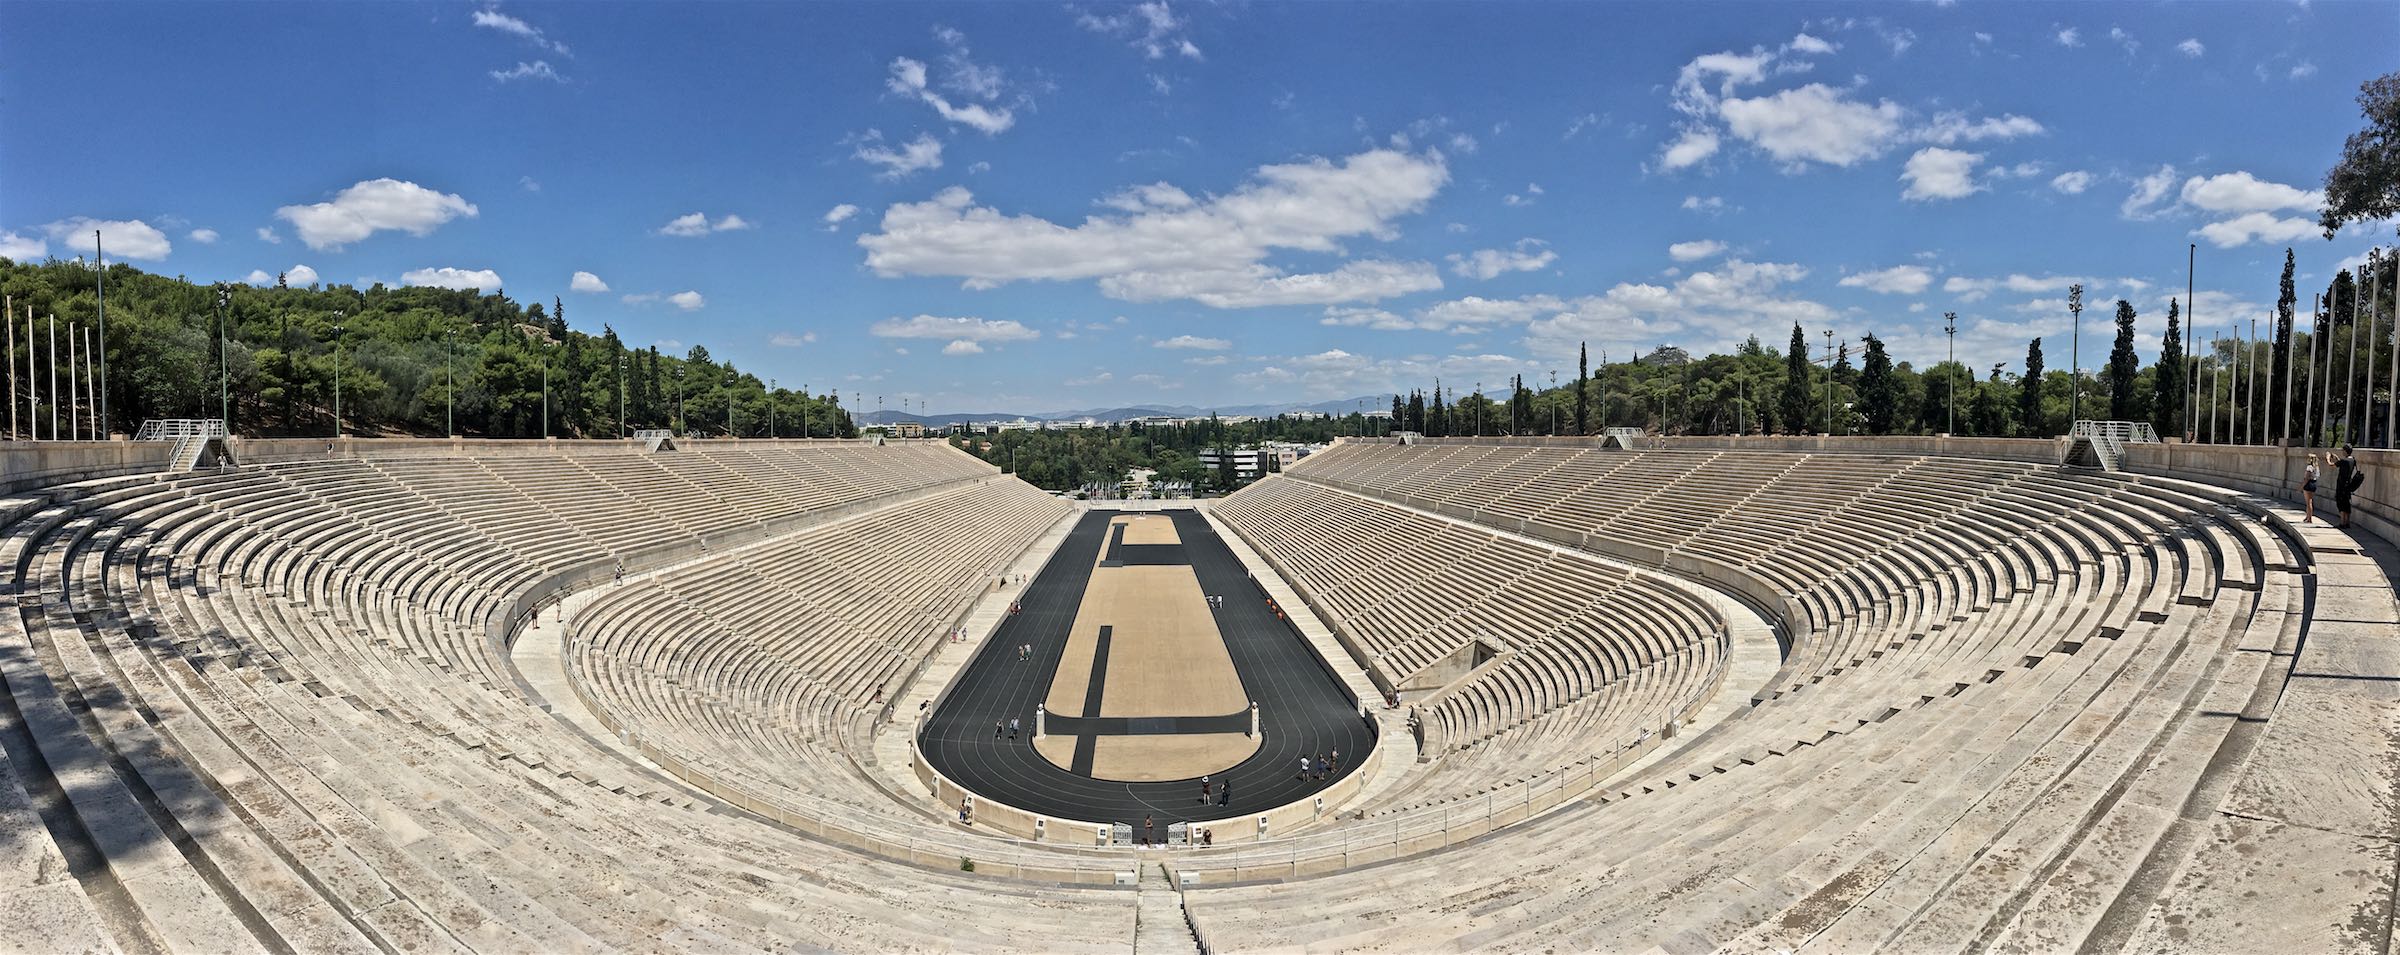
(1122,554)
(1086,743)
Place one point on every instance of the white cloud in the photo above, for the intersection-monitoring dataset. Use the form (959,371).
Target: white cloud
(1708,310)
(908,79)
(1211,251)
(1696,144)
(687,300)
(1708,204)
(372,206)
(1897,280)
(962,347)
(837,215)
(536,70)
(963,328)
(2068,37)
(2192,47)
(450,278)
(1808,44)
(2243,192)
(120,238)
(267,235)
(2302,70)
(1208,361)
(19,248)
(1193,342)
(1813,123)
(586,282)
(528,184)
(1150,27)
(1336,373)
(301,276)
(2124,40)
(694,224)
(921,153)
(1527,256)
(2072,183)
(789,340)
(491,18)
(2256,226)
(1695,250)
(2148,192)
(203,236)
(1951,128)
(1937,173)
(258,277)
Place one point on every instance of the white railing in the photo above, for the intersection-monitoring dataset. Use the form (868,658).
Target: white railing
(2107,440)
(648,433)
(177,429)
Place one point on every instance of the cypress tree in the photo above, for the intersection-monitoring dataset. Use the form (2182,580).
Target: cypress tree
(1583,372)
(2124,366)
(2030,421)
(1795,384)
(2167,396)
(1878,399)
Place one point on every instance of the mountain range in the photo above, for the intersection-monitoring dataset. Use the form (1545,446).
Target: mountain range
(1341,406)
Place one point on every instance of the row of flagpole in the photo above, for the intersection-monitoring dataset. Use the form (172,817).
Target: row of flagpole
(2215,386)
(81,401)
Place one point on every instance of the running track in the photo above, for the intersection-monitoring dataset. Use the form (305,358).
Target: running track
(1303,708)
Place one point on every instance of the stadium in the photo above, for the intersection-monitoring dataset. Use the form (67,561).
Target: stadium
(1844,694)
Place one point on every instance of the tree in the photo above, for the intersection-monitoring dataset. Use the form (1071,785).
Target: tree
(1876,398)
(1796,391)
(1583,374)
(1439,425)
(2123,367)
(2364,185)
(2031,422)
(2167,387)
(2285,300)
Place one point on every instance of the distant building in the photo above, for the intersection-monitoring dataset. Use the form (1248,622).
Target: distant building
(1248,464)
(907,429)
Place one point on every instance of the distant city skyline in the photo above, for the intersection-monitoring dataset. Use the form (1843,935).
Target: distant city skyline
(1044,207)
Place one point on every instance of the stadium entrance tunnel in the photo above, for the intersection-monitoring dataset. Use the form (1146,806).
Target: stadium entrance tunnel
(1142,661)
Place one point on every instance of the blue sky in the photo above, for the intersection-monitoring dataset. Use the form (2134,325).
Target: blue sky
(1036,206)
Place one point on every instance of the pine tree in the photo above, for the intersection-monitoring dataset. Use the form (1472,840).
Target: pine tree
(2031,423)
(1583,373)
(1796,384)
(2124,366)
(2167,396)
(1439,426)
(1416,411)
(1878,400)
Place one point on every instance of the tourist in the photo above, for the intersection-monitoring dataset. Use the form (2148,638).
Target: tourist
(966,813)
(1149,830)
(1225,793)
(2308,491)
(1204,789)
(1012,729)
(1304,767)
(2346,479)
(997,727)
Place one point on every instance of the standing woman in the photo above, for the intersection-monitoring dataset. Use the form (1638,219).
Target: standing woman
(2308,491)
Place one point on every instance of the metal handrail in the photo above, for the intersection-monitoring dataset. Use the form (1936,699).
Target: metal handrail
(176,429)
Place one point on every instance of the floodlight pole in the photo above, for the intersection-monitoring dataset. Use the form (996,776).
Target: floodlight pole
(1830,384)
(2075,376)
(1950,330)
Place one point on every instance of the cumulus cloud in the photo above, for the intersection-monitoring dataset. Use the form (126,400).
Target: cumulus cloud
(916,155)
(1696,144)
(119,238)
(1897,280)
(967,328)
(962,347)
(1711,205)
(1708,310)
(789,340)
(586,282)
(298,276)
(2256,227)
(2243,192)
(267,235)
(1156,247)
(837,215)
(1527,256)
(1813,123)
(2072,183)
(687,300)
(1336,373)
(1151,27)
(693,224)
(2148,192)
(1937,173)
(1194,342)
(908,79)
(203,236)
(451,278)
(1952,128)
(1695,250)
(372,206)
(2192,47)
(19,248)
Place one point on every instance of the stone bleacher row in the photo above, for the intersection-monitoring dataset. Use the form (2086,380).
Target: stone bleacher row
(263,709)
(1409,590)
(2005,683)
(758,667)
